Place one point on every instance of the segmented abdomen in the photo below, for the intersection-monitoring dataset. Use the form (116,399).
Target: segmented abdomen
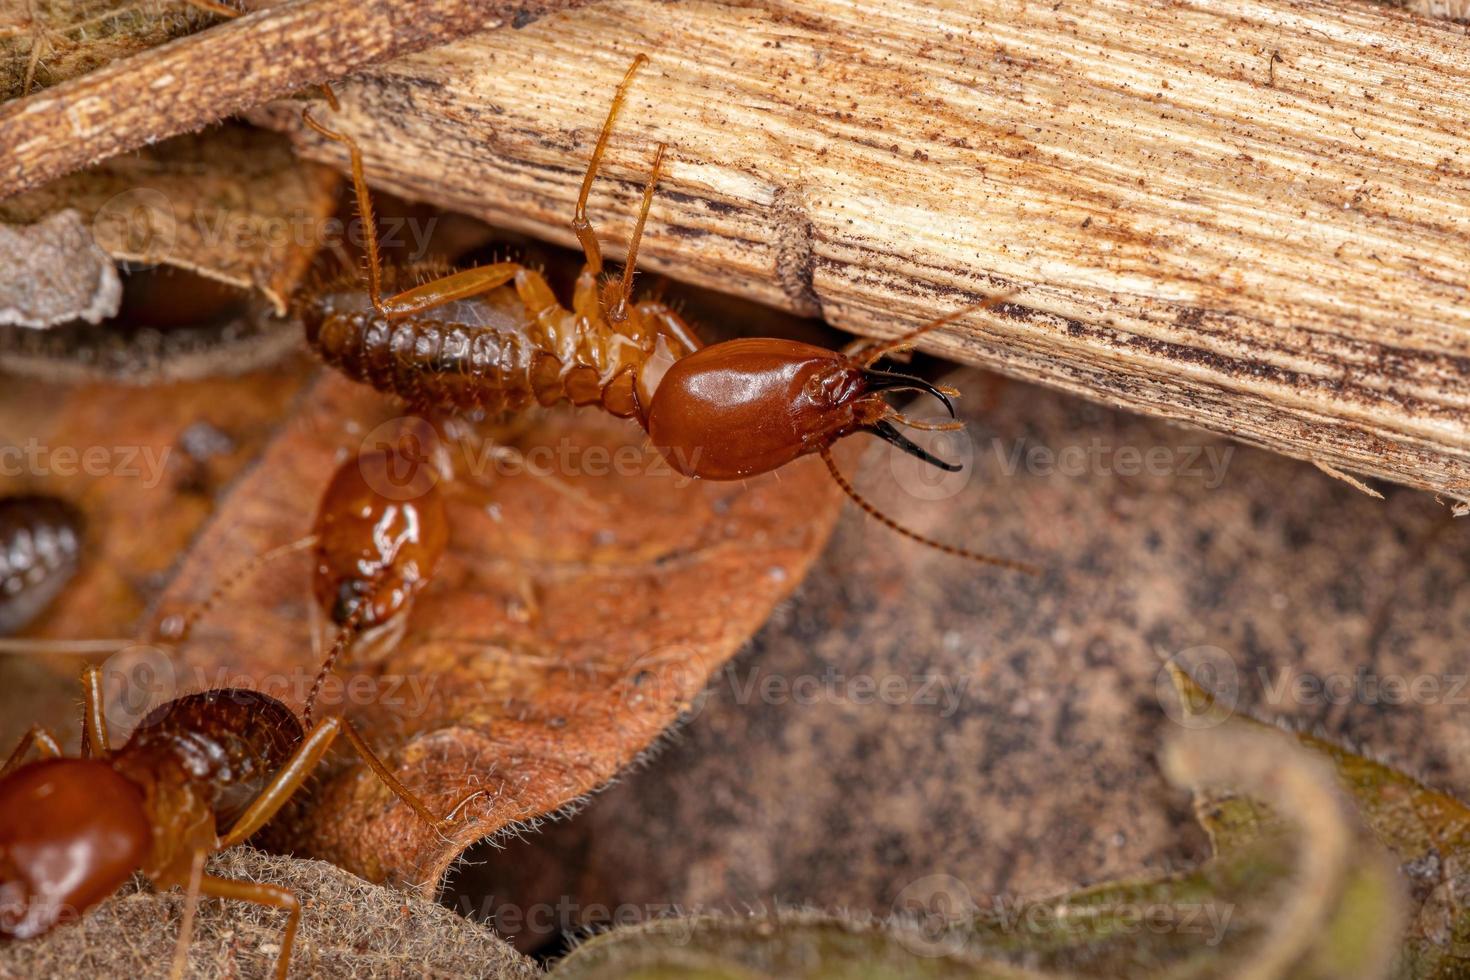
(40,546)
(451,366)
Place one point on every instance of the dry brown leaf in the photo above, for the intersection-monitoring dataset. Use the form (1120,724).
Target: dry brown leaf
(144,465)
(233,204)
(572,620)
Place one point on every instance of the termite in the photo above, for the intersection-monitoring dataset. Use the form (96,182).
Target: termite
(200,774)
(40,548)
(494,338)
(378,535)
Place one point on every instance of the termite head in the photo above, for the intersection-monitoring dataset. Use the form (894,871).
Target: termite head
(381,529)
(746,407)
(71,832)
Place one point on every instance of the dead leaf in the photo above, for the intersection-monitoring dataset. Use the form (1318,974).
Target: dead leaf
(232,204)
(144,465)
(575,616)
(55,273)
(1427,831)
(1307,897)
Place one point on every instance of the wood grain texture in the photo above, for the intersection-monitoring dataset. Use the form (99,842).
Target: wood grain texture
(1253,217)
(201,78)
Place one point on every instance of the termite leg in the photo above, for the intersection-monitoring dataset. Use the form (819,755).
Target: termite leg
(94,722)
(298,769)
(531,287)
(476,446)
(41,738)
(446,289)
(272,896)
(580,225)
(630,264)
(191,905)
(364,208)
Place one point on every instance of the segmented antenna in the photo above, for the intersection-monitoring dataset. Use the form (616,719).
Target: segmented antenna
(891,524)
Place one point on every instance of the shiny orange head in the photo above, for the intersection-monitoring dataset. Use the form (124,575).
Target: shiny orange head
(71,832)
(381,530)
(746,407)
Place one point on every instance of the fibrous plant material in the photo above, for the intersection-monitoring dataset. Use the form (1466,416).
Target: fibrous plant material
(205,76)
(1202,213)
(349,929)
(232,204)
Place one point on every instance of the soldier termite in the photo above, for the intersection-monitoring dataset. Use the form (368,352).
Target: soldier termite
(40,546)
(200,774)
(494,338)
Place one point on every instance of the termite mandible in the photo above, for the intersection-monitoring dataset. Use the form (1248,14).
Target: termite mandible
(495,338)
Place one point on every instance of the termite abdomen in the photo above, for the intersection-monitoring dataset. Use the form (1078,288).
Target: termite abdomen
(488,353)
(40,547)
(240,736)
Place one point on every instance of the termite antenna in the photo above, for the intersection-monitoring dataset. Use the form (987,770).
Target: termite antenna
(871,356)
(582,227)
(346,633)
(178,631)
(891,524)
(630,262)
(364,206)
